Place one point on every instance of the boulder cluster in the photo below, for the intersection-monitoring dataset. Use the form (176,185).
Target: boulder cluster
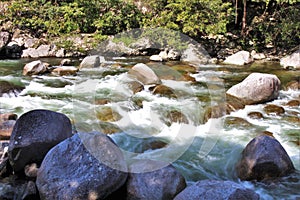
(55,163)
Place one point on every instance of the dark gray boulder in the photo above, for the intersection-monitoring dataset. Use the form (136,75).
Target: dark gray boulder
(213,189)
(263,158)
(34,134)
(164,183)
(85,166)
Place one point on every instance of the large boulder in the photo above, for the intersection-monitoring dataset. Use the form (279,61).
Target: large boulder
(35,68)
(213,189)
(34,134)
(164,183)
(85,166)
(256,88)
(263,158)
(195,54)
(144,74)
(10,90)
(292,60)
(239,58)
(91,61)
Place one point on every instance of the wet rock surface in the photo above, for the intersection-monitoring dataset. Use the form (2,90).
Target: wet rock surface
(85,166)
(162,183)
(34,134)
(264,158)
(213,189)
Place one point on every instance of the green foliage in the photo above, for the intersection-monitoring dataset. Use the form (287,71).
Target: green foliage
(118,16)
(71,16)
(281,27)
(194,17)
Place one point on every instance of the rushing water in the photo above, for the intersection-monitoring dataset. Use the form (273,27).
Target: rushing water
(198,150)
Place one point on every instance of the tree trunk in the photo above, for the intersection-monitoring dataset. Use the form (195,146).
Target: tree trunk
(244,22)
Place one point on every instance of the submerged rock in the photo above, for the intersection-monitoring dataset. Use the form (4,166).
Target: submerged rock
(65,70)
(164,90)
(256,88)
(34,134)
(293,103)
(144,74)
(239,58)
(274,109)
(213,189)
(107,114)
(175,116)
(164,183)
(9,89)
(237,122)
(85,166)
(264,158)
(255,115)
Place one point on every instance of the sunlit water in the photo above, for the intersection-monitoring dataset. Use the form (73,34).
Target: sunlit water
(198,150)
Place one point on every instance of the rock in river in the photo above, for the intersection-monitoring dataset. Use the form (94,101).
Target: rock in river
(263,158)
(213,189)
(292,60)
(239,58)
(144,74)
(85,166)
(35,68)
(34,134)
(91,61)
(164,183)
(256,88)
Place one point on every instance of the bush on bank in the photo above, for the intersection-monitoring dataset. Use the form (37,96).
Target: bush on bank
(257,24)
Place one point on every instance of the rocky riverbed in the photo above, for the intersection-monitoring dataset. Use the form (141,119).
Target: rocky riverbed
(157,124)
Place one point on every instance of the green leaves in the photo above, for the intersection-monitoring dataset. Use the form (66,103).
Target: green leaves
(194,17)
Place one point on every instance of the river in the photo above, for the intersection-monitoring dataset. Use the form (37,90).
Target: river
(140,120)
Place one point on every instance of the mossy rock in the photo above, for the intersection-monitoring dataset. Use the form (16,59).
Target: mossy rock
(255,115)
(293,103)
(216,111)
(237,122)
(109,128)
(164,91)
(274,109)
(175,116)
(107,114)
(135,86)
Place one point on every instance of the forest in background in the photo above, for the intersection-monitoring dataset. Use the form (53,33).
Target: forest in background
(253,24)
